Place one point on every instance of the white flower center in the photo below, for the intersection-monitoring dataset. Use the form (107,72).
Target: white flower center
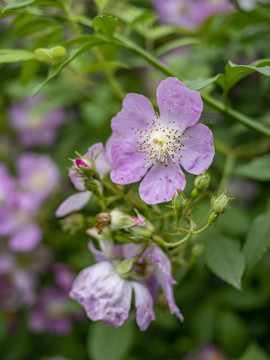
(159,141)
(34,121)
(182,9)
(39,180)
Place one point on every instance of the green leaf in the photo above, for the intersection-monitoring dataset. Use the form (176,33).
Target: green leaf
(165,30)
(175,44)
(200,84)
(106,24)
(13,55)
(101,4)
(235,73)
(29,71)
(17,4)
(223,257)
(32,26)
(232,332)
(257,169)
(235,222)
(254,352)
(55,70)
(108,343)
(125,266)
(143,17)
(258,238)
(105,65)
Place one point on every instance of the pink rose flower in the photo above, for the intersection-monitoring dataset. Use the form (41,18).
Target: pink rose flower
(152,146)
(106,294)
(77,201)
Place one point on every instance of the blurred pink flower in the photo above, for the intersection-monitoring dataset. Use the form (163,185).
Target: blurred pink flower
(38,176)
(51,312)
(17,285)
(19,207)
(208,352)
(189,13)
(36,127)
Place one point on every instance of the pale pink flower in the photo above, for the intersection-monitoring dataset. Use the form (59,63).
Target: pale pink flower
(153,146)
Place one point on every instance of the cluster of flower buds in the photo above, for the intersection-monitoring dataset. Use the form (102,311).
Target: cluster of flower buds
(137,227)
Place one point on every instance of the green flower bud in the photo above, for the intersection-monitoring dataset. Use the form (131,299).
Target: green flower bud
(194,193)
(196,253)
(140,232)
(88,172)
(58,53)
(94,186)
(120,220)
(52,56)
(72,223)
(198,250)
(179,201)
(202,181)
(220,202)
(213,218)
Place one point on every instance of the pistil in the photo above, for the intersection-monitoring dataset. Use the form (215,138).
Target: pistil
(159,142)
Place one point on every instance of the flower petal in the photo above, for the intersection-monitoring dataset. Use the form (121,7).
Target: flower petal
(144,305)
(73,203)
(163,275)
(8,222)
(161,183)
(197,150)
(26,238)
(103,293)
(136,114)
(168,292)
(102,161)
(129,165)
(98,255)
(113,138)
(178,106)
(161,260)
(76,180)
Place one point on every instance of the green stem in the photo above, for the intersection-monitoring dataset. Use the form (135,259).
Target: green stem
(202,229)
(236,115)
(162,216)
(140,206)
(114,84)
(221,147)
(160,241)
(66,8)
(227,171)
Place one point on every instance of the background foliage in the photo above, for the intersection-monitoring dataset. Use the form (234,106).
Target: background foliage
(85,56)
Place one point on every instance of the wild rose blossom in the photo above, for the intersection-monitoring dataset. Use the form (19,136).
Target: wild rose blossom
(208,352)
(7,184)
(37,175)
(189,13)
(18,223)
(17,285)
(153,146)
(37,178)
(106,294)
(50,312)
(35,127)
(77,201)
(248,5)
